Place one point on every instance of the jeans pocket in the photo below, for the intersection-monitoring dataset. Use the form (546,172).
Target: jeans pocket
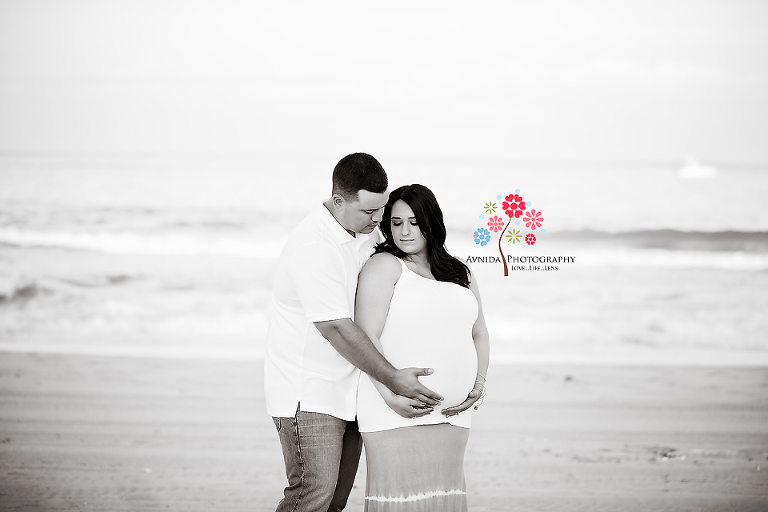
(278,423)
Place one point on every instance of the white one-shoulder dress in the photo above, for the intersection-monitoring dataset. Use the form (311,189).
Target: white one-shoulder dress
(416,464)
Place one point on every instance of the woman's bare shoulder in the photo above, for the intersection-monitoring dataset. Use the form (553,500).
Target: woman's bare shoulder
(383,261)
(384,264)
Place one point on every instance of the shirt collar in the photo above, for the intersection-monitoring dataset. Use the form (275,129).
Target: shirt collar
(340,235)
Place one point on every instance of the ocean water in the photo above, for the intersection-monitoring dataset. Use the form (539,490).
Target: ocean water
(171,255)
(245,206)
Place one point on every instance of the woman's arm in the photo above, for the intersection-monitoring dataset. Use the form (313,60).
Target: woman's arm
(483,348)
(375,288)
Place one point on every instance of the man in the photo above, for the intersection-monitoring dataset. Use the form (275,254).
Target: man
(314,349)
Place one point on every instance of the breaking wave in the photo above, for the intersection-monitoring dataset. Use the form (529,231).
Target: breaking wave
(134,243)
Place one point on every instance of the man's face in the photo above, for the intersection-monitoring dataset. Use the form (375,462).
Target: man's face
(364,214)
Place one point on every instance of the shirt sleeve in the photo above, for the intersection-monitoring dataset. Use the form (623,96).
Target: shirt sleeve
(319,276)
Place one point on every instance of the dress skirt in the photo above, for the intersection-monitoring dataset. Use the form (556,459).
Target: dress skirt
(416,469)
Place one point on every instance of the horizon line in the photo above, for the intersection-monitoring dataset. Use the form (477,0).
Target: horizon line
(481,159)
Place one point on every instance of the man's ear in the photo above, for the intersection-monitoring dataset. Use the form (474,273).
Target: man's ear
(338,201)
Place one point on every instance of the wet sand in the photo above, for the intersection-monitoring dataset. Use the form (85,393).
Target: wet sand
(117,434)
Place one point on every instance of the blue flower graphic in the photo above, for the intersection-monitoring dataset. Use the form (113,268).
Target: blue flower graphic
(482,236)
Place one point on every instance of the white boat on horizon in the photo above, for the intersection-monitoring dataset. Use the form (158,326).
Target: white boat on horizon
(694,170)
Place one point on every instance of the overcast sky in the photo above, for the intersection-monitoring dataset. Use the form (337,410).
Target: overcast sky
(513,79)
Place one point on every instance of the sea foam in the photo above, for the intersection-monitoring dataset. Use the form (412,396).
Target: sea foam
(133,243)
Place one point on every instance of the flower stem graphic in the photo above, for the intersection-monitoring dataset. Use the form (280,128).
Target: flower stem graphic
(503,258)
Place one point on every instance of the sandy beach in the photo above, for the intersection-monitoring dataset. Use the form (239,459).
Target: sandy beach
(117,434)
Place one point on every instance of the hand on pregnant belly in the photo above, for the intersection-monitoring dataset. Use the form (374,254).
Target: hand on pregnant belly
(454,382)
(472,397)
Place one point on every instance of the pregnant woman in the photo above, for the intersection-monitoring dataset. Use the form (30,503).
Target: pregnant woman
(421,307)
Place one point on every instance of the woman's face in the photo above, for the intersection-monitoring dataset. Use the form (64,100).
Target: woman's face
(405,229)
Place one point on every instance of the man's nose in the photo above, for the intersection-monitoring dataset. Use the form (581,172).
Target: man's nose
(377,215)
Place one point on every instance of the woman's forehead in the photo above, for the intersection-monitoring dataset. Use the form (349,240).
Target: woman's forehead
(402,210)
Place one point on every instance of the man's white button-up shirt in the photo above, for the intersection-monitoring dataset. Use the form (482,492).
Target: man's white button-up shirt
(315,281)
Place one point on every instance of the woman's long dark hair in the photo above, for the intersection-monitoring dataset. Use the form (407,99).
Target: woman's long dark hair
(430,219)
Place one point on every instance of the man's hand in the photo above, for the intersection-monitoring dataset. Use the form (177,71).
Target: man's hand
(407,407)
(472,397)
(406,383)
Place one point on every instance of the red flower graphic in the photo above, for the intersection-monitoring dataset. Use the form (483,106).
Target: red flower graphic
(533,219)
(530,239)
(495,223)
(513,205)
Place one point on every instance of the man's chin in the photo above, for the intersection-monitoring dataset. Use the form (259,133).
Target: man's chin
(367,230)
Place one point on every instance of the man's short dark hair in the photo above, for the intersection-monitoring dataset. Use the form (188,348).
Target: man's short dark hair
(356,172)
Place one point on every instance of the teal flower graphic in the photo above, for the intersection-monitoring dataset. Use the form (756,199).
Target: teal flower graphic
(482,236)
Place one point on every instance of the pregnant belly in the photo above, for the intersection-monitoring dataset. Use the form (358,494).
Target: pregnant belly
(454,372)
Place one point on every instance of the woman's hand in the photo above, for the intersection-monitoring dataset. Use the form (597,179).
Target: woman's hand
(472,397)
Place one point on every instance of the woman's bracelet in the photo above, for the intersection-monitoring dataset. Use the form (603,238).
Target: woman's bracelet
(480,379)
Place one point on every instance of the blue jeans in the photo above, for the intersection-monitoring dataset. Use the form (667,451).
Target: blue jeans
(321,454)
